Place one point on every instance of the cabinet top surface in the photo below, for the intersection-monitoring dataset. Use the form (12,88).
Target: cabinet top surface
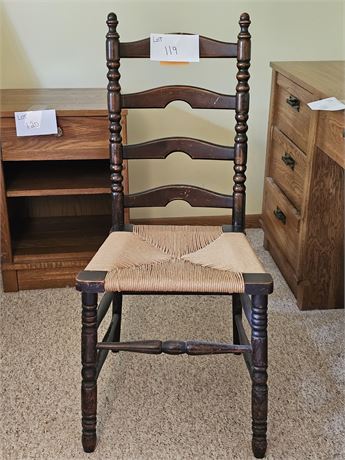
(324,78)
(66,101)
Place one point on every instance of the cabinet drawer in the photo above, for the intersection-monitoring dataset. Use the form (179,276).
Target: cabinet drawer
(81,138)
(331,135)
(283,221)
(292,115)
(288,167)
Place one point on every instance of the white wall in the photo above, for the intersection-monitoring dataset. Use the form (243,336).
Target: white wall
(61,44)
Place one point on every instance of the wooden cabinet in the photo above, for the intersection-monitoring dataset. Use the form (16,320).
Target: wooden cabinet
(55,189)
(303,206)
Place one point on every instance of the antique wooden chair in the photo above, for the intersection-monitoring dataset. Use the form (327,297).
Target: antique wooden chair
(176,259)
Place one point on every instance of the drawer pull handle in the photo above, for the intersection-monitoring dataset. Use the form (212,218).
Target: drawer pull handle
(59,132)
(280,215)
(293,102)
(289,161)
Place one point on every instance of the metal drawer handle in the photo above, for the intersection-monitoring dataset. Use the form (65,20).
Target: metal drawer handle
(280,215)
(59,132)
(293,102)
(289,161)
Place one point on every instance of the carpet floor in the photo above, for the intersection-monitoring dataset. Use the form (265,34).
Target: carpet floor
(163,407)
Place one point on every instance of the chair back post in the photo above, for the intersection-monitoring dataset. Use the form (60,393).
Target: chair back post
(114,111)
(242,108)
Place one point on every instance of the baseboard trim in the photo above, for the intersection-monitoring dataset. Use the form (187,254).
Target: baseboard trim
(252,220)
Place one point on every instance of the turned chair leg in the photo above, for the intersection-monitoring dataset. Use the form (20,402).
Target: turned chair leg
(89,376)
(259,375)
(117,309)
(236,310)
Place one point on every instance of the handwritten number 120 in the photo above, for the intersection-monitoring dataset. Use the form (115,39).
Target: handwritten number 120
(170,50)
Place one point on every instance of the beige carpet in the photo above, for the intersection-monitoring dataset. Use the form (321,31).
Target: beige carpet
(163,407)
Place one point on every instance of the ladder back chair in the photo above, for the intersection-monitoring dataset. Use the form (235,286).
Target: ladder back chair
(144,259)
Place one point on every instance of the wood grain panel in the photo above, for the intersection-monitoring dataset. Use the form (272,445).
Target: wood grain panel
(49,278)
(323,256)
(331,135)
(83,138)
(285,233)
(290,178)
(293,123)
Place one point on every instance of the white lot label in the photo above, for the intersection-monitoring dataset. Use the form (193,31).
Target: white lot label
(174,47)
(330,103)
(36,123)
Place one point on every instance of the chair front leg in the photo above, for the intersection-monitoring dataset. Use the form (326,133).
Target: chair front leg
(89,378)
(259,374)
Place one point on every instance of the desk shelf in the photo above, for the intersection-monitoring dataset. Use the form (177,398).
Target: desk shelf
(50,178)
(55,190)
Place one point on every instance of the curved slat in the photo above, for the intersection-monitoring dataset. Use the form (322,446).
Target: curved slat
(195,196)
(209,48)
(161,148)
(197,98)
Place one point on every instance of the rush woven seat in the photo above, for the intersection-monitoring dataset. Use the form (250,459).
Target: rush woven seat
(176,259)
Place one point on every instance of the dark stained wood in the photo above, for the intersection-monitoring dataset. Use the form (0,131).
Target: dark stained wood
(161,196)
(197,98)
(208,47)
(236,311)
(243,340)
(108,337)
(90,281)
(89,372)
(259,375)
(175,347)
(114,109)
(103,306)
(194,148)
(241,127)
(247,307)
(117,310)
(258,285)
(252,220)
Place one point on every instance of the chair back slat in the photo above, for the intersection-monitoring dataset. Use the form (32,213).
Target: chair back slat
(194,148)
(161,196)
(208,47)
(197,98)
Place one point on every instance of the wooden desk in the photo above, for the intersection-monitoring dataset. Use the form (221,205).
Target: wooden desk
(55,190)
(303,208)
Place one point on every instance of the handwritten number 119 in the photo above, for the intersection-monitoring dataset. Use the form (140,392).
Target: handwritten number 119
(170,50)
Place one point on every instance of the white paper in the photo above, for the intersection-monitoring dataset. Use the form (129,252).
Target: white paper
(174,47)
(36,122)
(330,103)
